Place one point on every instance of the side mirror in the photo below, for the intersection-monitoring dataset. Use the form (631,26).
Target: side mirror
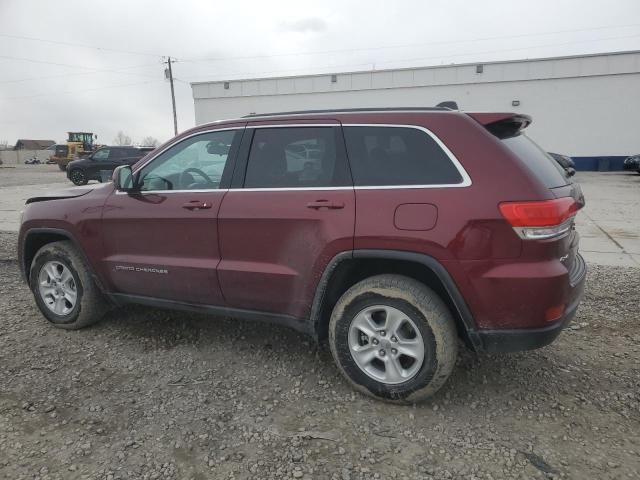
(123,178)
(571,172)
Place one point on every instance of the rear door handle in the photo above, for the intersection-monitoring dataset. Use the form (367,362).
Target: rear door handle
(196,205)
(318,204)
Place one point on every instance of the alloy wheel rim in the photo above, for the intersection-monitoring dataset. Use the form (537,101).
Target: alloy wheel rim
(78,176)
(57,287)
(386,344)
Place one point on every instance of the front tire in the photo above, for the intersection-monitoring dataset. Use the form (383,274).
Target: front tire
(393,338)
(63,288)
(78,177)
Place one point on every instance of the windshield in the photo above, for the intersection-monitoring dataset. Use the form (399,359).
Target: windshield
(539,162)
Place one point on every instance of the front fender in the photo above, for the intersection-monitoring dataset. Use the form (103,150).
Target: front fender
(77,217)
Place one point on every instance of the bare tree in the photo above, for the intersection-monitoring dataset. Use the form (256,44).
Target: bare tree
(150,142)
(122,139)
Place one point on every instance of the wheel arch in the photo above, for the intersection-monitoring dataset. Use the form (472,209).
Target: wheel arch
(347,268)
(36,238)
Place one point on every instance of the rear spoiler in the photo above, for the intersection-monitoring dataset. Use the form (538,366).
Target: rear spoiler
(502,125)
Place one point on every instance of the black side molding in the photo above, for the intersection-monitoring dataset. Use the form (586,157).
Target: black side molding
(274,318)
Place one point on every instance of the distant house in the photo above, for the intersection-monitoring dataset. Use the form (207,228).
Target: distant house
(25,144)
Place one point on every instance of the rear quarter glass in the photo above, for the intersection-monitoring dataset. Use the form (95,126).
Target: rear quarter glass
(539,162)
(383,155)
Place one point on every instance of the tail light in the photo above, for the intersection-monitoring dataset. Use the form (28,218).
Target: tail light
(540,220)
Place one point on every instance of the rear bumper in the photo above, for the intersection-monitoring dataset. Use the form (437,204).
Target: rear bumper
(505,341)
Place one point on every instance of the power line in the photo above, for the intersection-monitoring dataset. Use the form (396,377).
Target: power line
(420,59)
(80,45)
(74,92)
(215,59)
(45,62)
(118,71)
(345,50)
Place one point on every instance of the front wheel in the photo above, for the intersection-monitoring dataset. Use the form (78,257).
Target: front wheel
(63,288)
(393,338)
(78,177)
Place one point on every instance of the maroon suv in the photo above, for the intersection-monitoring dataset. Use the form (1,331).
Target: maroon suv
(390,233)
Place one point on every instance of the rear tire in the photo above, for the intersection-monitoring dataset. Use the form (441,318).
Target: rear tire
(78,177)
(410,347)
(63,288)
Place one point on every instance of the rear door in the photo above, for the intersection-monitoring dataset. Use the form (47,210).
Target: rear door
(162,241)
(406,182)
(291,209)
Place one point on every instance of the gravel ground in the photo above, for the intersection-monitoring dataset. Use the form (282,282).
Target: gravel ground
(153,394)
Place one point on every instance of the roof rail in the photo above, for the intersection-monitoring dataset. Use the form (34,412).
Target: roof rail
(351,110)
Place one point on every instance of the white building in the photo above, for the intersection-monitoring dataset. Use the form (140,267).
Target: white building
(585,106)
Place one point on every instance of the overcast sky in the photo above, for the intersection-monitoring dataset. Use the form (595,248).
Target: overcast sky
(97,65)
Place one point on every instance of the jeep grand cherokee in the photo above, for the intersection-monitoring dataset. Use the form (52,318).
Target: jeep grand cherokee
(389,233)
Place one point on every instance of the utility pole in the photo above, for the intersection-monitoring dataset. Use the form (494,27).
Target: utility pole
(169,74)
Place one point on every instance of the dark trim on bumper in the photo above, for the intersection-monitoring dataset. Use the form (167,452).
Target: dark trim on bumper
(507,341)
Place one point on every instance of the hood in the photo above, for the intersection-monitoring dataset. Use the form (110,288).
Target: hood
(66,193)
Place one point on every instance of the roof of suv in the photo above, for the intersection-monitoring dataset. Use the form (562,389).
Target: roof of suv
(322,114)
(501,124)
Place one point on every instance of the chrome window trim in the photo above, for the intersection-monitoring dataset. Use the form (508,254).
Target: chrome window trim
(290,125)
(289,189)
(466,179)
(163,192)
(201,132)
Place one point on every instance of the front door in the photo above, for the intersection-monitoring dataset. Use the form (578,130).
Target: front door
(162,241)
(292,209)
(101,160)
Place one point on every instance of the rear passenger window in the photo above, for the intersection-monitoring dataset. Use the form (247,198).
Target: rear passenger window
(397,156)
(117,153)
(295,157)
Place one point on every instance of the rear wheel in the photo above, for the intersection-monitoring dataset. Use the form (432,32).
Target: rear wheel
(63,288)
(393,338)
(78,177)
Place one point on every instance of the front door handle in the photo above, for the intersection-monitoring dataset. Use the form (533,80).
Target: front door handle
(318,204)
(196,205)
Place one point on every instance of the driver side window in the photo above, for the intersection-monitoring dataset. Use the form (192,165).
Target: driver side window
(101,154)
(196,163)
